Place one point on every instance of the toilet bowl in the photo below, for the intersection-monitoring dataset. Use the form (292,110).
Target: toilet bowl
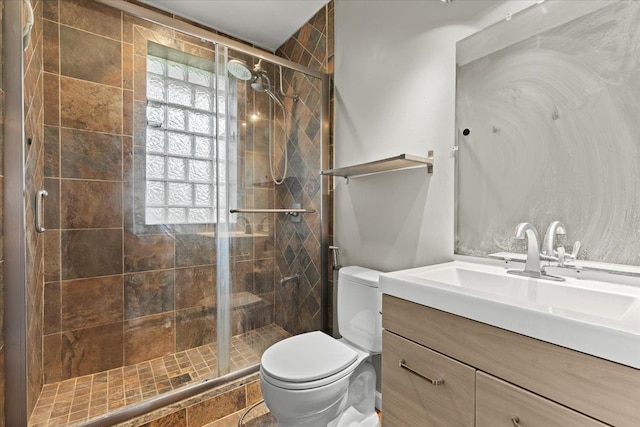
(315,380)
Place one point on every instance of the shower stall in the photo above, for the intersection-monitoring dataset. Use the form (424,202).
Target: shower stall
(165,220)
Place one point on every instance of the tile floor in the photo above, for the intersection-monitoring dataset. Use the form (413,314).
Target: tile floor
(258,417)
(76,400)
(261,417)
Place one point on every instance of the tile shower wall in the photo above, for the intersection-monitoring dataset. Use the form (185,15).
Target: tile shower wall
(113,295)
(83,258)
(298,245)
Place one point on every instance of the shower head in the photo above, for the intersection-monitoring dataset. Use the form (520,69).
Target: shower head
(239,69)
(258,83)
(261,83)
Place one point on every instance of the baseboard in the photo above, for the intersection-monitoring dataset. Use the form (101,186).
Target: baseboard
(378,401)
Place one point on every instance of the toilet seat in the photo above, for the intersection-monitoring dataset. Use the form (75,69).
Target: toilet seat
(308,361)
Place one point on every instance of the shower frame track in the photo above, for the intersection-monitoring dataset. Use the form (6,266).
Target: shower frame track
(15,221)
(139,409)
(15,262)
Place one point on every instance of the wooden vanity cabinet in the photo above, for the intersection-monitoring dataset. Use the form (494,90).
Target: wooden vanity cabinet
(410,396)
(514,377)
(500,404)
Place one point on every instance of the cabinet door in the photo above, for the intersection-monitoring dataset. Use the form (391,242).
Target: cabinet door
(500,404)
(603,390)
(409,396)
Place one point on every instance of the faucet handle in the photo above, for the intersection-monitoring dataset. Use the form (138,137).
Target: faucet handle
(564,257)
(575,250)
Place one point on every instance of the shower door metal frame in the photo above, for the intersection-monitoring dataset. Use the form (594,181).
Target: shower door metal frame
(15,263)
(201,33)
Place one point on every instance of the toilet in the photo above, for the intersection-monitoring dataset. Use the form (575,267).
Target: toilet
(315,380)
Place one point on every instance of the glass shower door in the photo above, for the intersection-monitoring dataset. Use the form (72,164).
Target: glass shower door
(273,116)
(226,143)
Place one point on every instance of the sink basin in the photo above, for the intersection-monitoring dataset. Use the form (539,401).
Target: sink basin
(596,317)
(527,291)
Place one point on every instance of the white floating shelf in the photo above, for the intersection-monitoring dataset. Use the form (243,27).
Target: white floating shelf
(403,161)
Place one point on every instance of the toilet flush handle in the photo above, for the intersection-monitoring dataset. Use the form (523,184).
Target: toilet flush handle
(335,252)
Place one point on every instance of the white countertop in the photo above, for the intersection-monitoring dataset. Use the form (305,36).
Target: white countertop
(597,317)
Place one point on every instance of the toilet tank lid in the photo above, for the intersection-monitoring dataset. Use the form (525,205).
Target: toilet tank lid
(361,275)
(307,357)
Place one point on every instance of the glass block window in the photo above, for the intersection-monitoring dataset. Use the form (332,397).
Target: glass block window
(184,121)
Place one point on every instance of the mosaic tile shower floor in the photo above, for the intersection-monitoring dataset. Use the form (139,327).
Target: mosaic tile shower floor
(76,400)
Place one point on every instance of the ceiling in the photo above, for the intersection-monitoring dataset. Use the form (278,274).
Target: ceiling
(265,23)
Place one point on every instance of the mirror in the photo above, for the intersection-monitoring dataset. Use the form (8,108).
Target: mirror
(548,128)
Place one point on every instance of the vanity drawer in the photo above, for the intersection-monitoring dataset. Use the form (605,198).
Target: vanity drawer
(500,404)
(411,400)
(601,389)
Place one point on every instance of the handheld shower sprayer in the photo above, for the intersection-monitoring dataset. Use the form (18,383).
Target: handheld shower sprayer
(260,82)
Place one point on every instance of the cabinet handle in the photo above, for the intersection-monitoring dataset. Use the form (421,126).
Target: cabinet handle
(516,421)
(403,365)
(40,210)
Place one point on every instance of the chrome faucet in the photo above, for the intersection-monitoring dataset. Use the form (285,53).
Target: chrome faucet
(549,245)
(550,249)
(524,230)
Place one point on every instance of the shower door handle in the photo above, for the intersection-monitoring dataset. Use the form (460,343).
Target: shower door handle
(40,210)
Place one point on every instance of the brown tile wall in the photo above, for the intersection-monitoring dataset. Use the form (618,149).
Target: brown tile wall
(2,374)
(83,248)
(118,292)
(34,181)
(298,245)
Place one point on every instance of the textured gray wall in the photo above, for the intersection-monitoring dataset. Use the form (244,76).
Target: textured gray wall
(555,135)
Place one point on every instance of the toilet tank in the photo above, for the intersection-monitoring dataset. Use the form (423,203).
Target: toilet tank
(359,306)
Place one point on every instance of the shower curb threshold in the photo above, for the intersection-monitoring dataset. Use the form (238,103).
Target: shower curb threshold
(129,413)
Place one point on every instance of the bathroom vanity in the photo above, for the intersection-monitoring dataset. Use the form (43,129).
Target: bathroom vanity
(446,369)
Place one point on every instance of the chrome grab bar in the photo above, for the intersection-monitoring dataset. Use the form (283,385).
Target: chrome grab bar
(40,195)
(403,365)
(292,212)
